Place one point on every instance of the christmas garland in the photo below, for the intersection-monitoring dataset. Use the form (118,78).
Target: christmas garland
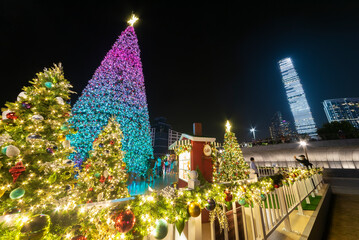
(183,148)
(149,214)
(177,206)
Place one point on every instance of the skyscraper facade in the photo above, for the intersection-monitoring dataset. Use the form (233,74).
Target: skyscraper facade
(303,119)
(342,109)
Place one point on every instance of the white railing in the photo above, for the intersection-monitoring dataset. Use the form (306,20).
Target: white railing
(279,204)
(266,171)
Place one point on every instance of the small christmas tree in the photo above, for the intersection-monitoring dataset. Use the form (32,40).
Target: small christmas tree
(33,171)
(232,166)
(103,175)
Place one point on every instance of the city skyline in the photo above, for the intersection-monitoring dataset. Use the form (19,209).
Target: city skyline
(218,63)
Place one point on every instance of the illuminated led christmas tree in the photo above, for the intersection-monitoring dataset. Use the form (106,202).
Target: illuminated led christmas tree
(103,176)
(116,89)
(232,166)
(34,171)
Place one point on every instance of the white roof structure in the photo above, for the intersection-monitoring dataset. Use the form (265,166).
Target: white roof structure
(185,137)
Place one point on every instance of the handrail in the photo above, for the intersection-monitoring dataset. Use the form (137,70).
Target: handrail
(285,216)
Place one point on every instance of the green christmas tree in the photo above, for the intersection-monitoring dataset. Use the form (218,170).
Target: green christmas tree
(34,174)
(103,176)
(232,166)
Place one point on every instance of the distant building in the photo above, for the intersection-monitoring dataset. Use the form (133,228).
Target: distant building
(342,109)
(286,129)
(173,136)
(279,127)
(162,136)
(303,119)
(274,128)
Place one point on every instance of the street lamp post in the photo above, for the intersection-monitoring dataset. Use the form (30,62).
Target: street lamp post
(253,131)
(304,145)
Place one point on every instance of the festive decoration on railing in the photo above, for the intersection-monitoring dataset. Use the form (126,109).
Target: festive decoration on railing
(194,209)
(211,204)
(124,221)
(161,229)
(232,166)
(116,89)
(33,171)
(150,214)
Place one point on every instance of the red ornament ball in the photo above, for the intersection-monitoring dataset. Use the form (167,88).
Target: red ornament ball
(102,179)
(229,196)
(11,115)
(125,221)
(112,142)
(276,186)
(80,237)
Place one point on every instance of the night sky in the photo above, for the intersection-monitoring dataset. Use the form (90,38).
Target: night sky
(202,62)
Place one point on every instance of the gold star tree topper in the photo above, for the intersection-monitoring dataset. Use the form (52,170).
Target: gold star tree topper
(132,20)
(228,126)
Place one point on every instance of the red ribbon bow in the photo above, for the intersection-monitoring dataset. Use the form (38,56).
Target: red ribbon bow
(17,170)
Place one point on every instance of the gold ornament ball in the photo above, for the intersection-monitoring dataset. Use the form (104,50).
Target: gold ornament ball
(61,138)
(194,209)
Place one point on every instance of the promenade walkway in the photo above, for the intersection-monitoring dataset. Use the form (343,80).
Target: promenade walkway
(343,222)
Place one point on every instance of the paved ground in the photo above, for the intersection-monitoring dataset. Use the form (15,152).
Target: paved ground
(342,185)
(343,221)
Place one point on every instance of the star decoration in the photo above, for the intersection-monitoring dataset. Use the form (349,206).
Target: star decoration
(132,20)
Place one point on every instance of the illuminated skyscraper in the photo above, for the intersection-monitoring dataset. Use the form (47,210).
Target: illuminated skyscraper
(342,109)
(303,119)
